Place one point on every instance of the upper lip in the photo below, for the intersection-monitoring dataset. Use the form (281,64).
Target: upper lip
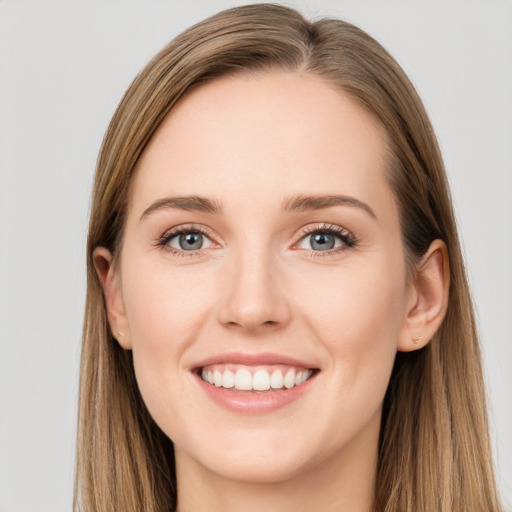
(265,358)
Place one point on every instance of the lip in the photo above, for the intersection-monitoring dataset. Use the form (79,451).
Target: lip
(253,402)
(265,358)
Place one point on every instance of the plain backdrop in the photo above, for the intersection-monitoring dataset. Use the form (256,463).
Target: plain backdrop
(63,68)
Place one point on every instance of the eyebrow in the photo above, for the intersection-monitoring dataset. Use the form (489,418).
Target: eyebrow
(187,203)
(303,203)
(299,203)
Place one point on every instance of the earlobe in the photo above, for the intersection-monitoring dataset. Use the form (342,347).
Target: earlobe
(429,299)
(117,319)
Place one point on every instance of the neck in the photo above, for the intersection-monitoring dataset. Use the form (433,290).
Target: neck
(343,482)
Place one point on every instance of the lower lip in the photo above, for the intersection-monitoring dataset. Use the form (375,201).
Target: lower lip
(254,402)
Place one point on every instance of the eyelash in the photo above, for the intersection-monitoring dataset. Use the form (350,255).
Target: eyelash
(347,238)
(163,242)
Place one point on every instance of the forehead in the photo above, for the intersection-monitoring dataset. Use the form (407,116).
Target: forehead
(262,137)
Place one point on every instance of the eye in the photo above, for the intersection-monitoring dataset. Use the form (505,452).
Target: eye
(190,241)
(326,239)
(185,239)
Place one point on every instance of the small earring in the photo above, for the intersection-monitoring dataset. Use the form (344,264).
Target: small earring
(120,334)
(416,339)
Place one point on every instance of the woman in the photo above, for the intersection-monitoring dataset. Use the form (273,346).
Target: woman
(277,313)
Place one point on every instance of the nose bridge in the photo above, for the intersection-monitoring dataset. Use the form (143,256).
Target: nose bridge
(253,298)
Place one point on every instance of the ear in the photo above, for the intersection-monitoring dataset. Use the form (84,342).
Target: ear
(113,296)
(428,301)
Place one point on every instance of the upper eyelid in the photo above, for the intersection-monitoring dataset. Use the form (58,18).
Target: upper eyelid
(334,229)
(182,228)
(309,229)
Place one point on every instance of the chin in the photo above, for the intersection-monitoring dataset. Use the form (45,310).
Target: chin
(255,456)
(272,469)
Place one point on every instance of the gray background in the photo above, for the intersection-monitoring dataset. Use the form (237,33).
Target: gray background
(63,69)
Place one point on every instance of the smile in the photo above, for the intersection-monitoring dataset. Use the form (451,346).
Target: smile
(255,383)
(250,378)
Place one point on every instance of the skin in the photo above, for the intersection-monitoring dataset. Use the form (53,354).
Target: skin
(250,143)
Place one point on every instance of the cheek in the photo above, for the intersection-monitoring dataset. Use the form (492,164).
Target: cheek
(356,318)
(164,306)
(347,302)
(166,310)
(357,315)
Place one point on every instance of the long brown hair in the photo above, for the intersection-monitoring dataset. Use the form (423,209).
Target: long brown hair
(434,451)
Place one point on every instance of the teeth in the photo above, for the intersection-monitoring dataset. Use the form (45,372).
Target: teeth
(276,381)
(302,376)
(289,379)
(243,380)
(261,380)
(228,379)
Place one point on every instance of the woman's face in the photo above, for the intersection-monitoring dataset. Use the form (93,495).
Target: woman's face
(263,247)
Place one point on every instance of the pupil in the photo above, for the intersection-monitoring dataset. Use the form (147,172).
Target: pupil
(191,241)
(322,242)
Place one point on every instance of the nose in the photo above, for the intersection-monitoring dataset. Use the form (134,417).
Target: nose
(253,298)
